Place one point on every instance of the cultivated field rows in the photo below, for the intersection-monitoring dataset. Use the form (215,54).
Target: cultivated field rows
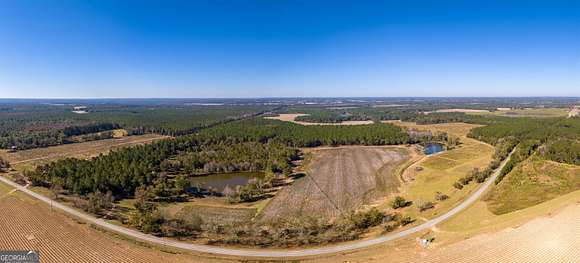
(339,180)
(27,225)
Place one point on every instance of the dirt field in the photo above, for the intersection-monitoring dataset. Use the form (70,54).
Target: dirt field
(28,225)
(34,157)
(292,116)
(339,180)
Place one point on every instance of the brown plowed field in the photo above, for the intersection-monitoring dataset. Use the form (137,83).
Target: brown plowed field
(339,180)
(27,225)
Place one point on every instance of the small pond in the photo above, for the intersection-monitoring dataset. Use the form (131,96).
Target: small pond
(219,181)
(432,148)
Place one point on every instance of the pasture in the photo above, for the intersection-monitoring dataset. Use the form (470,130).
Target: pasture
(339,180)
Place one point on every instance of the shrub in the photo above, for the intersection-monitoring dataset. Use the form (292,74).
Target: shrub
(441,196)
(400,202)
(458,185)
(368,219)
(390,227)
(405,220)
(425,205)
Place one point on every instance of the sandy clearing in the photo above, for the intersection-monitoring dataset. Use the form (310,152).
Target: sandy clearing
(290,117)
(574,112)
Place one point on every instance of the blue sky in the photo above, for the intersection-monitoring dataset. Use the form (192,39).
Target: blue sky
(110,48)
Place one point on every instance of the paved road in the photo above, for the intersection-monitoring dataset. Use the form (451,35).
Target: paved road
(262,252)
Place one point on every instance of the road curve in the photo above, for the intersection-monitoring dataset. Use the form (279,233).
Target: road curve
(261,252)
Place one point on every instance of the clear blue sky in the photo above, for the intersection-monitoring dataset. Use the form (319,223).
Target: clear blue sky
(271,48)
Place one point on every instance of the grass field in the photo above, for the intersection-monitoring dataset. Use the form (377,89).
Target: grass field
(214,209)
(339,180)
(31,158)
(531,112)
(532,182)
(438,172)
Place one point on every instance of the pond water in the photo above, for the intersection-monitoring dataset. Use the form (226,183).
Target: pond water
(432,148)
(219,181)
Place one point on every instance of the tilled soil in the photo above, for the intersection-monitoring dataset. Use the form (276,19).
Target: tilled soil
(339,180)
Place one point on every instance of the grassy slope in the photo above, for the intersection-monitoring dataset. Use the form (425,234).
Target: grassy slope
(532,182)
(440,171)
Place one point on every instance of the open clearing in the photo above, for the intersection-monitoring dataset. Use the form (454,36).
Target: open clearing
(39,156)
(339,180)
(290,117)
(575,111)
(528,112)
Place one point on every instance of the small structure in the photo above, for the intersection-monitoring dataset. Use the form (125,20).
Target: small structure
(13,148)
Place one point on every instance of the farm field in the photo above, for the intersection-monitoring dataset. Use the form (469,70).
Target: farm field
(27,224)
(531,112)
(290,117)
(34,157)
(339,180)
